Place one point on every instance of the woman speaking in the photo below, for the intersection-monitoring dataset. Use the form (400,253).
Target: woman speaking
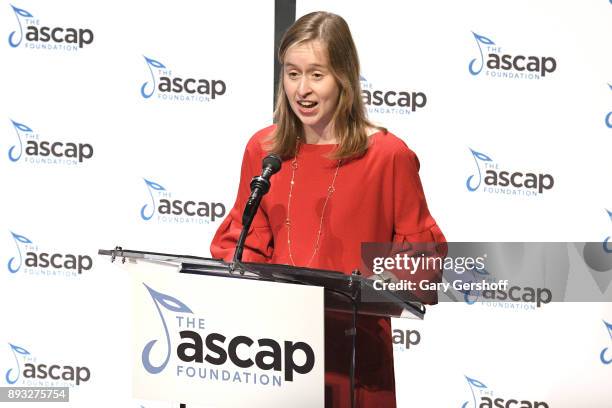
(343,181)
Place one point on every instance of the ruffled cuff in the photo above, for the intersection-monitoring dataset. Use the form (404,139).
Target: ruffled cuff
(432,243)
(258,244)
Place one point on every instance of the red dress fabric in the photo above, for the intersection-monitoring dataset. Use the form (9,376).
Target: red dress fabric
(378,198)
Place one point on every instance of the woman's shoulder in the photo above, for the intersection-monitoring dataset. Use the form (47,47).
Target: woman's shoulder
(388,144)
(257,143)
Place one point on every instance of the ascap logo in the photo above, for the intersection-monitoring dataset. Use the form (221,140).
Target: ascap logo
(45,262)
(498,180)
(168,210)
(391,101)
(39,151)
(214,356)
(483,397)
(512,296)
(27,371)
(497,64)
(52,38)
(170,87)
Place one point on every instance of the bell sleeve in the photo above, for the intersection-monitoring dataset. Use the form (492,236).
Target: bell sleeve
(413,223)
(258,244)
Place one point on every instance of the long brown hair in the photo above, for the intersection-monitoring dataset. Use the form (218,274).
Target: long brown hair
(349,121)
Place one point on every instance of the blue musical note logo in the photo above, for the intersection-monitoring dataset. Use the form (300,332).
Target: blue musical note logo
(151,63)
(169,303)
(480,39)
(151,185)
(18,239)
(23,13)
(16,350)
(603,356)
(609,115)
(19,127)
(472,383)
(477,156)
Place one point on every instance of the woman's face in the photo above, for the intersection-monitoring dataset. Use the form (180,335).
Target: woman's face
(311,88)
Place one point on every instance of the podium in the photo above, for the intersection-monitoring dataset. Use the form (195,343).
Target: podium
(351,296)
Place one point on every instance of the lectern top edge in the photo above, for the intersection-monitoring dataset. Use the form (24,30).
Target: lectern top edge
(370,301)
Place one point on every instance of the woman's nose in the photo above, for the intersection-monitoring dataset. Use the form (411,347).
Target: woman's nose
(304,87)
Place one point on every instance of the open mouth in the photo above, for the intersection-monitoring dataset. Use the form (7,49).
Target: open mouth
(307,104)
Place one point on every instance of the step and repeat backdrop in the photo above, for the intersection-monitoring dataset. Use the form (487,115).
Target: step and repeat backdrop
(125,123)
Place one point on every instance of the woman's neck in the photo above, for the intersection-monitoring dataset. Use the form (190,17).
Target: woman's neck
(314,135)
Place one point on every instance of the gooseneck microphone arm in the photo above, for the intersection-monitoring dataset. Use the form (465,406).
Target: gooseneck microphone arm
(260,185)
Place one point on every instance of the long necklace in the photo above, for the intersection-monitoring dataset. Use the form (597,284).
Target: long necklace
(330,191)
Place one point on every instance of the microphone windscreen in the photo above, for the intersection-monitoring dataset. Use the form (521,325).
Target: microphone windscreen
(273,161)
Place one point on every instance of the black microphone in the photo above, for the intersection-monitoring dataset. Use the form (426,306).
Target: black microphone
(260,185)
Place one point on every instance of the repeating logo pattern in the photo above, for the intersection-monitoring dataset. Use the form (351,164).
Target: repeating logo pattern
(164,208)
(495,63)
(45,262)
(27,370)
(170,87)
(498,180)
(391,101)
(41,37)
(39,151)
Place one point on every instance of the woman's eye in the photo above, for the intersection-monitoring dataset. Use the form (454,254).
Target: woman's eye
(317,75)
(292,74)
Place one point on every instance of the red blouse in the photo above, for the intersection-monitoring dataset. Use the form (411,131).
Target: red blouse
(377,198)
